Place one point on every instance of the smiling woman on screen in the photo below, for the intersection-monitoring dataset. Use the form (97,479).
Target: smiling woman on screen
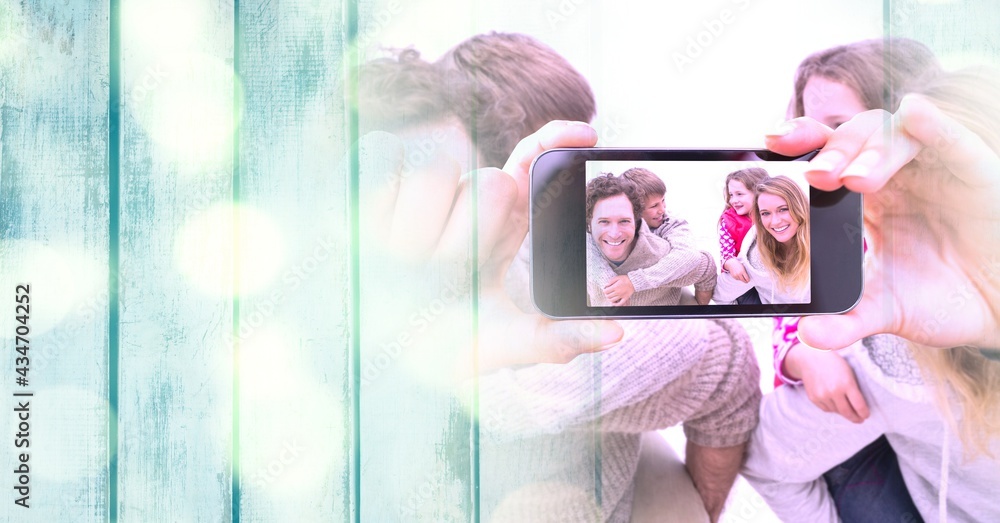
(777,256)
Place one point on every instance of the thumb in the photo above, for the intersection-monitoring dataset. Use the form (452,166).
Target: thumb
(877,312)
(840,330)
(552,135)
(561,341)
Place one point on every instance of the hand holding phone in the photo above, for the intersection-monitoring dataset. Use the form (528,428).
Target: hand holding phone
(601,216)
(427,268)
(932,277)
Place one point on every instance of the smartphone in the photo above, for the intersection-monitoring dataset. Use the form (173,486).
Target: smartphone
(573,255)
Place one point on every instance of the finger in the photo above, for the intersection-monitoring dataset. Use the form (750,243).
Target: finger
(832,332)
(523,339)
(426,194)
(495,197)
(844,408)
(380,163)
(964,152)
(562,341)
(550,136)
(857,401)
(886,151)
(798,136)
(852,151)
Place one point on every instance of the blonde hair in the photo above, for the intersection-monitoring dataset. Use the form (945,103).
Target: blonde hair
(974,380)
(972,98)
(790,260)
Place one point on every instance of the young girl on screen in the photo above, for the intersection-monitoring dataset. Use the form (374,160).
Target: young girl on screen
(735,222)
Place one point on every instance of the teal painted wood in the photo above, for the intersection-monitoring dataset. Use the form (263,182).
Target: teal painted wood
(177,316)
(416,431)
(415,420)
(175,417)
(294,336)
(963,34)
(54,236)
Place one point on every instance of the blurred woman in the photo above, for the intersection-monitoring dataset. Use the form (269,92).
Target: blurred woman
(934,187)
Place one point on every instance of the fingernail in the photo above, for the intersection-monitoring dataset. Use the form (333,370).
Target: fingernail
(826,161)
(782,129)
(862,165)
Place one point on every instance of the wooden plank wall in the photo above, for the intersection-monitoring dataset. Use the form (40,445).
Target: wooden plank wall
(235,356)
(295,401)
(54,236)
(175,403)
(416,433)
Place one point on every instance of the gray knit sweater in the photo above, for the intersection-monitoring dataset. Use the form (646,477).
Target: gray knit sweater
(657,267)
(561,442)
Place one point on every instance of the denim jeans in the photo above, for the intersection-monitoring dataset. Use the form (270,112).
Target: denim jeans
(869,487)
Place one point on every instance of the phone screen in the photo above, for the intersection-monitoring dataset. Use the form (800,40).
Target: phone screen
(706,220)
(694,250)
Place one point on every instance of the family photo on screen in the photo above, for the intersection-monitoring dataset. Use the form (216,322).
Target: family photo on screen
(643,252)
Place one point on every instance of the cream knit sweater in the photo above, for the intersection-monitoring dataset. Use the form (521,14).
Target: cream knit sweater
(561,442)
